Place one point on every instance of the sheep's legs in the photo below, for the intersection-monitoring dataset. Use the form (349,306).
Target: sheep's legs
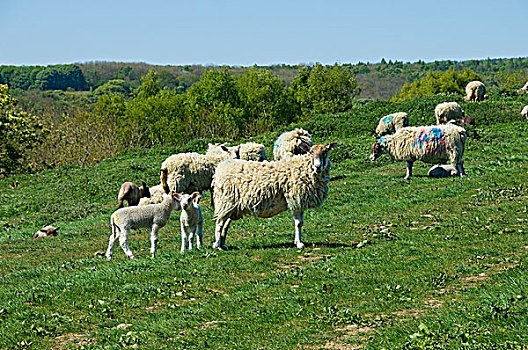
(199,232)
(191,239)
(123,242)
(220,233)
(409,170)
(298,220)
(224,232)
(111,243)
(460,168)
(153,232)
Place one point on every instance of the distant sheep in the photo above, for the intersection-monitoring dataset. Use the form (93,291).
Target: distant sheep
(442,170)
(245,151)
(130,192)
(431,144)
(475,91)
(389,124)
(153,216)
(47,231)
(191,220)
(524,88)
(524,112)
(447,111)
(291,143)
(265,189)
(156,196)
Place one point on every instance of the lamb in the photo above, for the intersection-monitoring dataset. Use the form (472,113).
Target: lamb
(442,170)
(431,144)
(130,192)
(153,216)
(265,189)
(524,112)
(189,172)
(391,123)
(475,91)
(156,196)
(447,111)
(245,151)
(47,231)
(295,142)
(191,220)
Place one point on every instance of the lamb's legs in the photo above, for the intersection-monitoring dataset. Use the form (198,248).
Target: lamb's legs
(298,220)
(123,242)
(154,240)
(191,238)
(199,232)
(183,238)
(111,243)
(409,170)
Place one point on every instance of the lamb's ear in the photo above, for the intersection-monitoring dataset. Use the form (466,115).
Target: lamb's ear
(196,196)
(331,146)
(143,184)
(224,148)
(176,196)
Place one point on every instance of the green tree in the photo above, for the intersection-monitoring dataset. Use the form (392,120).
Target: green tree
(114,86)
(150,85)
(18,132)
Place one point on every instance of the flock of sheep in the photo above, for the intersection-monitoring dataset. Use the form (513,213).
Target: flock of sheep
(242,182)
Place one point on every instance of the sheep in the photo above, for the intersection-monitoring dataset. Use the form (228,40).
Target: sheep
(295,142)
(156,196)
(245,151)
(153,216)
(442,170)
(430,144)
(265,189)
(389,124)
(47,231)
(191,220)
(447,111)
(475,91)
(189,172)
(130,192)
(524,112)
(524,88)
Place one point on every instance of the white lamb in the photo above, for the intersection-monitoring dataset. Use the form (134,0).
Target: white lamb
(291,143)
(430,144)
(524,112)
(475,91)
(245,151)
(153,216)
(265,189)
(447,111)
(442,170)
(391,123)
(191,220)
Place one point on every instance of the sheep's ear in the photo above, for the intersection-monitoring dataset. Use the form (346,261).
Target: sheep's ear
(196,197)
(175,195)
(224,148)
(143,184)
(331,146)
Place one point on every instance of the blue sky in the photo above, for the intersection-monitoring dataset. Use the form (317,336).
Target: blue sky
(259,32)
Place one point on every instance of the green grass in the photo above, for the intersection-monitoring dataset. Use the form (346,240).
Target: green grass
(389,263)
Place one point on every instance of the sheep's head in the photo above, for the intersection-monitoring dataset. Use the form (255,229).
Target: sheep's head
(187,200)
(320,160)
(219,148)
(377,150)
(144,191)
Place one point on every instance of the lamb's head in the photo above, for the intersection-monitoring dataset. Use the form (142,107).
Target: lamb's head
(144,191)
(377,149)
(173,199)
(320,160)
(186,200)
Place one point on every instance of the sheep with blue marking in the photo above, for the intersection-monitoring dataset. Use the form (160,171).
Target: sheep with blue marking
(435,144)
(291,143)
(391,123)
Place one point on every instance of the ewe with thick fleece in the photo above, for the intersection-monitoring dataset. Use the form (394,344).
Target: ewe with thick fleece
(245,151)
(447,111)
(265,189)
(391,123)
(291,143)
(191,220)
(524,112)
(156,196)
(153,216)
(475,91)
(430,144)
(189,172)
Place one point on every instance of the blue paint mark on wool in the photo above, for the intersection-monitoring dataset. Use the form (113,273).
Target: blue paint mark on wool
(388,119)
(383,140)
(428,136)
(277,142)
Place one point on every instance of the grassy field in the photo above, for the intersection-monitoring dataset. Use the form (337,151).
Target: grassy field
(389,263)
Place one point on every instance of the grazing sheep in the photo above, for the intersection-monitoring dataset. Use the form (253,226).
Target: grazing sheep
(156,196)
(265,189)
(430,144)
(291,143)
(130,192)
(524,112)
(245,151)
(524,88)
(153,216)
(447,111)
(442,170)
(475,91)
(189,172)
(191,220)
(389,124)
(48,231)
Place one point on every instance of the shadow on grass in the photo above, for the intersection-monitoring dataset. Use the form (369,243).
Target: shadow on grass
(307,245)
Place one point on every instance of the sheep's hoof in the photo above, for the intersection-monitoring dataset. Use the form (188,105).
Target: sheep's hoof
(300,245)
(131,257)
(152,256)
(108,257)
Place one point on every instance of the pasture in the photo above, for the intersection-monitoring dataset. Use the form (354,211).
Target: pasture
(389,263)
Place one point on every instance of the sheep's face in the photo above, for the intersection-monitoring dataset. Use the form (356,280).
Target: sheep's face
(187,200)
(144,191)
(377,151)
(320,160)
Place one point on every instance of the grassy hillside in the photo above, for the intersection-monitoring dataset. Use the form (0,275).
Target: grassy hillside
(389,263)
